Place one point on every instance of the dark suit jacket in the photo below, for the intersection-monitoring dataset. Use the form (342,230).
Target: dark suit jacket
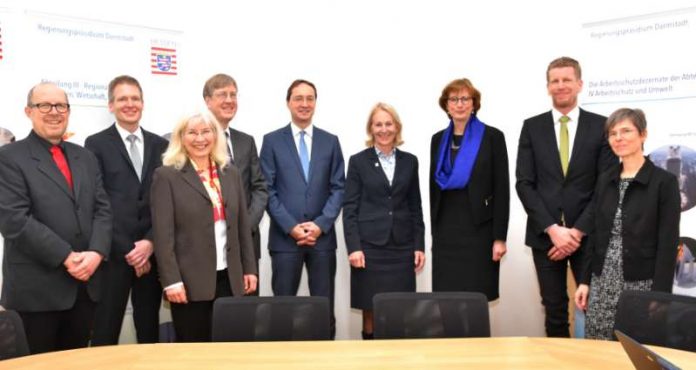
(544,191)
(130,197)
(374,211)
(650,225)
(489,184)
(246,159)
(42,221)
(293,200)
(184,231)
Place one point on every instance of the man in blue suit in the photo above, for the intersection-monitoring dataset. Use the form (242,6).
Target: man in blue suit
(303,166)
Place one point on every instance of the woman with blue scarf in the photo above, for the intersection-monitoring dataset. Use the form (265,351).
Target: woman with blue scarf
(469,196)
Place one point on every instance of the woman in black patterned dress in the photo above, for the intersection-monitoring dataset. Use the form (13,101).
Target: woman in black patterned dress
(636,209)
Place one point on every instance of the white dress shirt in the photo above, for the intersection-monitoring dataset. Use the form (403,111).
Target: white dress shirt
(388,163)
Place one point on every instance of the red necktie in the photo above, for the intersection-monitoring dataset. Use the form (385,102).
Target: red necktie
(62,164)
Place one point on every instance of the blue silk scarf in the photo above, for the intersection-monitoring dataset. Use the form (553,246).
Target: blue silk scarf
(455,175)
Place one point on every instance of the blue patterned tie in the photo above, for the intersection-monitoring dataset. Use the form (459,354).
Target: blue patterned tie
(304,156)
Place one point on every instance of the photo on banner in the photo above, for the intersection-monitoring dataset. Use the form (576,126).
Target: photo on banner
(644,61)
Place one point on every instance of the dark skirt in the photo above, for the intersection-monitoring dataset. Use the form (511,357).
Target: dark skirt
(462,250)
(388,268)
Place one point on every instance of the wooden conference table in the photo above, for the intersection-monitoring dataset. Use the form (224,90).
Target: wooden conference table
(472,353)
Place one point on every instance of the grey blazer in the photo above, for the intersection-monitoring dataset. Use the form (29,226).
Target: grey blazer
(42,221)
(184,235)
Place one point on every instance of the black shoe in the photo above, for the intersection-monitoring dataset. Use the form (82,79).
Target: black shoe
(368,336)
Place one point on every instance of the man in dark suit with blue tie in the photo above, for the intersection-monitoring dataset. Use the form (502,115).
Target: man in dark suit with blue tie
(128,155)
(56,221)
(560,155)
(304,169)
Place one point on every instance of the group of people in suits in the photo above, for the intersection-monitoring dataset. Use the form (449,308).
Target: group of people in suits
(135,214)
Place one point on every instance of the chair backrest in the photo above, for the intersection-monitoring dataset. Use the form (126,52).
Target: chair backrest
(13,340)
(430,315)
(241,319)
(658,318)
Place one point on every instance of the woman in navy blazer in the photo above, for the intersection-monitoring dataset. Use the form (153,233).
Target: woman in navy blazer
(382,215)
(636,210)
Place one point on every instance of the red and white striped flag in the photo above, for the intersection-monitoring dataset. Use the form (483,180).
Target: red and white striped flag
(163,61)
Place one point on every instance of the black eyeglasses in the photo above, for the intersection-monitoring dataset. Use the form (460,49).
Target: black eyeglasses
(455,100)
(48,107)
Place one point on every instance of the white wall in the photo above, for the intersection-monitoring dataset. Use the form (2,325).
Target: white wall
(358,53)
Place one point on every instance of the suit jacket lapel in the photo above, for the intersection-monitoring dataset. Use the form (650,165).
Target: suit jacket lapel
(192,178)
(399,168)
(317,147)
(48,167)
(292,150)
(148,153)
(548,133)
(237,151)
(377,167)
(579,141)
(226,187)
(79,173)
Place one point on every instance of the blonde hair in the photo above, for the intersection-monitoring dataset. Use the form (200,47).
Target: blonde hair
(397,122)
(176,155)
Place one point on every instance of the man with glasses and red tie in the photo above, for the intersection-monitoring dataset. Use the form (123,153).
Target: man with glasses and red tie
(56,221)
(560,155)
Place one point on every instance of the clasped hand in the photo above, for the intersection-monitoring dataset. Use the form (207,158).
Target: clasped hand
(565,241)
(82,265)
(306,234)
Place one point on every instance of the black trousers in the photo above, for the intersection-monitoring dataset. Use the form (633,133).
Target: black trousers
(60,330)
(193,321)
(146,297)
(552,277)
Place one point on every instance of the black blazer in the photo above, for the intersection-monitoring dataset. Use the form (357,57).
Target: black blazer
(130,197)
(42,221)
(650,216)
(374,211)
(489,184)
(544,191)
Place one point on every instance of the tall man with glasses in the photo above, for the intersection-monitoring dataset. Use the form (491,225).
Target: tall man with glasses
(56,221)
(560,155)
(304,169)
(220,95)
(128,155)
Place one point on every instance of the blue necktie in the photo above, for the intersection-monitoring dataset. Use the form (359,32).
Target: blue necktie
(304,156)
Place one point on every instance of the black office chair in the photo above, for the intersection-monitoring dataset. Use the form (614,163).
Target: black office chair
(13,341)
(431,315)
(658,318)
(241,319)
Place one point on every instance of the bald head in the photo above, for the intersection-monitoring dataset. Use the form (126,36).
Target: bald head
(41,86)
(48,109)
